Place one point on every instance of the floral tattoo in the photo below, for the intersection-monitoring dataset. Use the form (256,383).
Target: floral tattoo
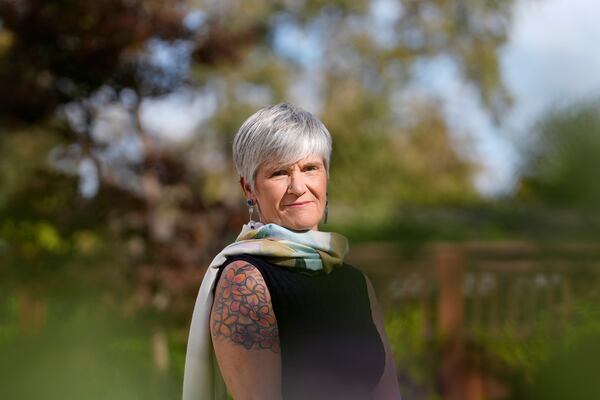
(242,311)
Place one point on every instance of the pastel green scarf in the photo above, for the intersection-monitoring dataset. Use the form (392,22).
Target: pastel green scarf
(309,252)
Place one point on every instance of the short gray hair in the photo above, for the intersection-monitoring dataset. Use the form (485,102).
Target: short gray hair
(281,134)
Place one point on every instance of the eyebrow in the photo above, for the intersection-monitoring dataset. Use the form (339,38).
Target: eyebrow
(270,170)
(315,162)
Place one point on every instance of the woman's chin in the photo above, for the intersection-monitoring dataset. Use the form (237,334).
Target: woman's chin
(300,225)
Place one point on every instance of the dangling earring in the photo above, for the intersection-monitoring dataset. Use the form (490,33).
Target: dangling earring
(250,203)
(326,209)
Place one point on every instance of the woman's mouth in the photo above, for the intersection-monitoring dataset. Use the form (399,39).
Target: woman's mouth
(299,204)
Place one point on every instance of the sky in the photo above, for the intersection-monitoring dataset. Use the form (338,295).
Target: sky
(552,58)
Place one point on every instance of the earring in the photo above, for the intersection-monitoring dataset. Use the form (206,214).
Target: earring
(250,203)
(326,209)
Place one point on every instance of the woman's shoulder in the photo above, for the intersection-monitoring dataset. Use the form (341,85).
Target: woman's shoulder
(353,269)
(239,270)
(239,267)
(360,277)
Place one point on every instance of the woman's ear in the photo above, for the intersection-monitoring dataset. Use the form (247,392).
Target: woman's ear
(246,188)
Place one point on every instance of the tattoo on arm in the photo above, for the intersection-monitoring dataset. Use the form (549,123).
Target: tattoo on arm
(242,311)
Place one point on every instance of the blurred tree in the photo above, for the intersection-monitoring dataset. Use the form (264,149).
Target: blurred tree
(74,75)
(104,57)
(416,163)
(82,81)
(561,161)
(57,51)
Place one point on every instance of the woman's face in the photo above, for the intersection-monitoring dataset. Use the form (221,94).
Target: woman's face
(293,197)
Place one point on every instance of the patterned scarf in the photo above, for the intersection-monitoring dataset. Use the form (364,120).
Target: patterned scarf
(309,252)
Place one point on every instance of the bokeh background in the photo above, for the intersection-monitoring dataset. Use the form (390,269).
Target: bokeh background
(465,175)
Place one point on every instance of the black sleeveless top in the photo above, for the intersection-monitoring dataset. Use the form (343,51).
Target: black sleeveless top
(330,347)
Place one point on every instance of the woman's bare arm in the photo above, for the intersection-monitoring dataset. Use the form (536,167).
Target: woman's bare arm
(245,334)
(387,388)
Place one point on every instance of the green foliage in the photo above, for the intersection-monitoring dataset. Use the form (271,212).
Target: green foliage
(378,165)
(561,162)
(408,342)
(86,350)
(556,359)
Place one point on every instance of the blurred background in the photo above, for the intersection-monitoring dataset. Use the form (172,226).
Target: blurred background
(464,173)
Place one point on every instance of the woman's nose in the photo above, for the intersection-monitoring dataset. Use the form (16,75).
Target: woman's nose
(296,184)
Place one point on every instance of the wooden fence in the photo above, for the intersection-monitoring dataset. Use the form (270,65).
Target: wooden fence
(479,287)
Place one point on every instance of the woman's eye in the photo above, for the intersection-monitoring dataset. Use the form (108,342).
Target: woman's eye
(277,173)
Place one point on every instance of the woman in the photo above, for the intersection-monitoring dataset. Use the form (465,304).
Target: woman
(279,314)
